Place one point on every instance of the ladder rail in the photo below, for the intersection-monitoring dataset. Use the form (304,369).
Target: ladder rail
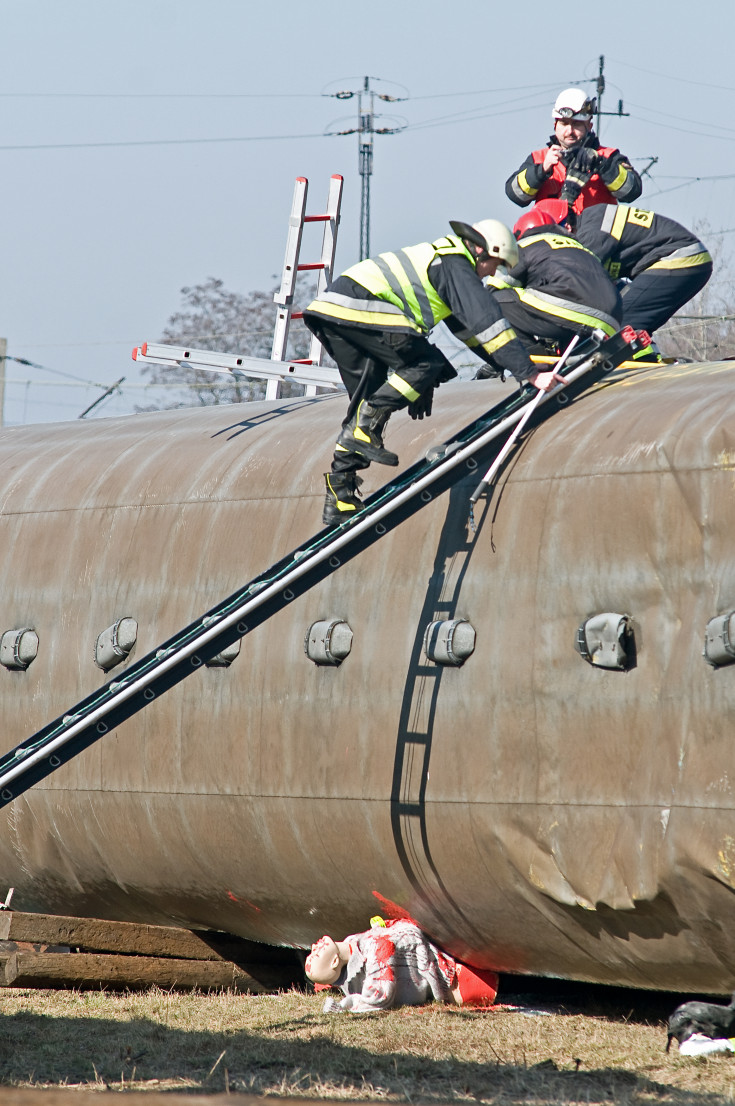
(329,248)
(292,266)
(268,593)
(238,365)
(284,296)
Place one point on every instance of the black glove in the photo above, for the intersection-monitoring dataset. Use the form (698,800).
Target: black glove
(571,189)
(609,167)
(580,169)
(421,407)
(487,372)
(448,372)
(586,161)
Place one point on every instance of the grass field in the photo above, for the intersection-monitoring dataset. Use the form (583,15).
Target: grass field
(599,1045)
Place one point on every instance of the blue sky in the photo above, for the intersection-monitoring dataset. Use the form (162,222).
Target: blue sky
(150,144)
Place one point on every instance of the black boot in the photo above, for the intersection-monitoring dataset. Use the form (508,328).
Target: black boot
(342,500)
(363,434)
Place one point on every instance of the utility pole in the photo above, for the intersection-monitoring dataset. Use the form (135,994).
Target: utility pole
(619,113)
(600,90)
(365,130)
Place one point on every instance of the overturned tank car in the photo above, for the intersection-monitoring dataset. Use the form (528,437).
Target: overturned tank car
(517,734)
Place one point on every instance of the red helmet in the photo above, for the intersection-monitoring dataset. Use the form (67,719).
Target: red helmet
(557,209)
(532,218)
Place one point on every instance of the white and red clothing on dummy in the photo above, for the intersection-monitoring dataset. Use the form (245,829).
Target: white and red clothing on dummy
(397,965)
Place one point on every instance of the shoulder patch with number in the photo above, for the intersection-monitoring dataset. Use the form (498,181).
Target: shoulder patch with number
(554,241)
(640,217)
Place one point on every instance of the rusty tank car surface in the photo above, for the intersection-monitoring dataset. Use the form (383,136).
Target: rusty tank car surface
(551,794)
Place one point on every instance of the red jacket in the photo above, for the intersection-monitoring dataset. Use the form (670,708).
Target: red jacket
(616,182)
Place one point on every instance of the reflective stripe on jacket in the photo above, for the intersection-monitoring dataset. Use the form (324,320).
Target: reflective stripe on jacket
(567,310)
(564,272)
(629,240)
(400,281)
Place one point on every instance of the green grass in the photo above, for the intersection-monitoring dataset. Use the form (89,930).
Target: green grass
(601,1046)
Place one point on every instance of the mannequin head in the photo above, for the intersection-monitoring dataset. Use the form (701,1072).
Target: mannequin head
(324,962)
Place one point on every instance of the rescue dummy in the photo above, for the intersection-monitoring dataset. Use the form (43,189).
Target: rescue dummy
(394,964)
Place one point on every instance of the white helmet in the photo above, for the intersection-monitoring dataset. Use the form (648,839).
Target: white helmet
(574,103)
(491,235)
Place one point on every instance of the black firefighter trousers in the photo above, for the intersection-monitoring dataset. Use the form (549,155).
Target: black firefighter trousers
(367,360)
(655,295)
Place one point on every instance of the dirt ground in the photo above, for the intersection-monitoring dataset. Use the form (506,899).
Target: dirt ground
(551,1044)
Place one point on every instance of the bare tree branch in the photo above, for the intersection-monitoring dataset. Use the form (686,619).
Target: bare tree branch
(214,318)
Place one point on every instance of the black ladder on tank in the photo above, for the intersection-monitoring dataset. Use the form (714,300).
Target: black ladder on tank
(144,681)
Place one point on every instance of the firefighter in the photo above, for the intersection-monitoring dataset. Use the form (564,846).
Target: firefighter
(374,319)
(664,262)
(573,165)
(561,289)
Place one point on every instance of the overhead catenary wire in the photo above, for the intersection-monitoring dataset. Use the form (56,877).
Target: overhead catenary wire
(470,115)
(672,76)
(162,142)
(682,118)
(256,95)
(56,372)
(693,180)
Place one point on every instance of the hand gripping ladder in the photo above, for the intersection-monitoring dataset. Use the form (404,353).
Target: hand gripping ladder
(444,465)
(292,266)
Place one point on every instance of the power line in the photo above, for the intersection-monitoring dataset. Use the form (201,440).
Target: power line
(490,91)
(250,95)
(187,339)
(693,180)
(471,114)
(473,111)
(669,76)
(162,142)
(162,95)
(56,372)
(682,118)
(457,120)
(681,130)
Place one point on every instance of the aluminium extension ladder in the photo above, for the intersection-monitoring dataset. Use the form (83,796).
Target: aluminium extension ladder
(292,266)
(444,465)
(308,371)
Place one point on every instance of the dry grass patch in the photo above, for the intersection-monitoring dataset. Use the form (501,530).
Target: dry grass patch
(599,1046)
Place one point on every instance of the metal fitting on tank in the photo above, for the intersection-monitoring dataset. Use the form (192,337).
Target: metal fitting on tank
(114,644)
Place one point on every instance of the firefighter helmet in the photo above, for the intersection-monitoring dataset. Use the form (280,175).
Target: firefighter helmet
(574,103)
(557,209)
(492,236)
(533,218)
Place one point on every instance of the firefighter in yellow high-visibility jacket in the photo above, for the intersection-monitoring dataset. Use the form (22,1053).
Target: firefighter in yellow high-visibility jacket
(374,320)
